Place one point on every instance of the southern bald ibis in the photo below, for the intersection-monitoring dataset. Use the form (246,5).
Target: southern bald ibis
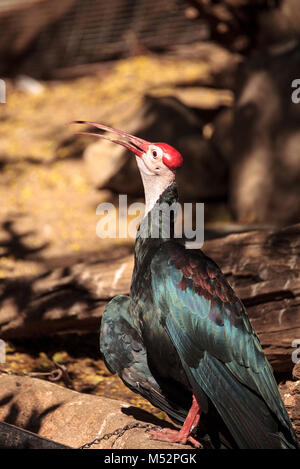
(182,338)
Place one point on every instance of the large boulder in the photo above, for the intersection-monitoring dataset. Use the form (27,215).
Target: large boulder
(73,418)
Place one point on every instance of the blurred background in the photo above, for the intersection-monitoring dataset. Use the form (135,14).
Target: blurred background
(212,78)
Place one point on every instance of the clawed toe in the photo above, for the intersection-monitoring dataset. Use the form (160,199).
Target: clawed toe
(173,436)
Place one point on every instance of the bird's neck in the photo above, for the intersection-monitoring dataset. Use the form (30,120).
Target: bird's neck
(154,188)
(152,233)
(158,225)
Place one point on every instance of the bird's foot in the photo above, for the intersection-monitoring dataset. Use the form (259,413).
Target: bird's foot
(173,436)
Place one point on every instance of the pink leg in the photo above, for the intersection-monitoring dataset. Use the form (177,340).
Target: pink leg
(184,434)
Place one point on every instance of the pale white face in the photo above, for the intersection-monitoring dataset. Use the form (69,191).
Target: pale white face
(155,174)
(151,163)
(157,163)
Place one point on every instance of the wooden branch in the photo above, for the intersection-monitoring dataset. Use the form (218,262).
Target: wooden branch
(62,299)
(262,266)
(264,269)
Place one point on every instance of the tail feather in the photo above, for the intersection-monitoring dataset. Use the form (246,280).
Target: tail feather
(247,417)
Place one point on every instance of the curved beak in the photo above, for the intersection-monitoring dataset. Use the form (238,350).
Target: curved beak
(137,145)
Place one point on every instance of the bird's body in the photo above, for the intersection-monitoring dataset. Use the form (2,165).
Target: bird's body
(183,340)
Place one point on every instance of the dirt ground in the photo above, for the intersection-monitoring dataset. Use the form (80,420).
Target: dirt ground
(79,355)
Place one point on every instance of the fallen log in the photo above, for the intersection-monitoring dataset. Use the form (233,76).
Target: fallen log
(264,269)
(262,266)
(62,299)
(75,419)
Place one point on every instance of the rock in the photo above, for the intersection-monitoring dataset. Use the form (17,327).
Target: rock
(296,369)
(203,98)
(72,418)
(290,393)
(204,174)
(29,85)
(262,266)
(265,169)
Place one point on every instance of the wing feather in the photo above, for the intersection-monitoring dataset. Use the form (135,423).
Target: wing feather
(210,328)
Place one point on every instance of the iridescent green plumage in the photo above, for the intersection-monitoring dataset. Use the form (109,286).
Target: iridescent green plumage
(182,330)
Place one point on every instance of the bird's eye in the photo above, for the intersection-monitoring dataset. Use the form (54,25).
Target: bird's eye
(154,154)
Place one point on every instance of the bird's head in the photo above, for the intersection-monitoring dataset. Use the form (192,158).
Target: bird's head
(157,162)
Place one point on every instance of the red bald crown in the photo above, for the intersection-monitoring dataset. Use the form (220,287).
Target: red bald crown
(171,157)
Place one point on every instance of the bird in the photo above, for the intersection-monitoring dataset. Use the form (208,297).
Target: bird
(182,338)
